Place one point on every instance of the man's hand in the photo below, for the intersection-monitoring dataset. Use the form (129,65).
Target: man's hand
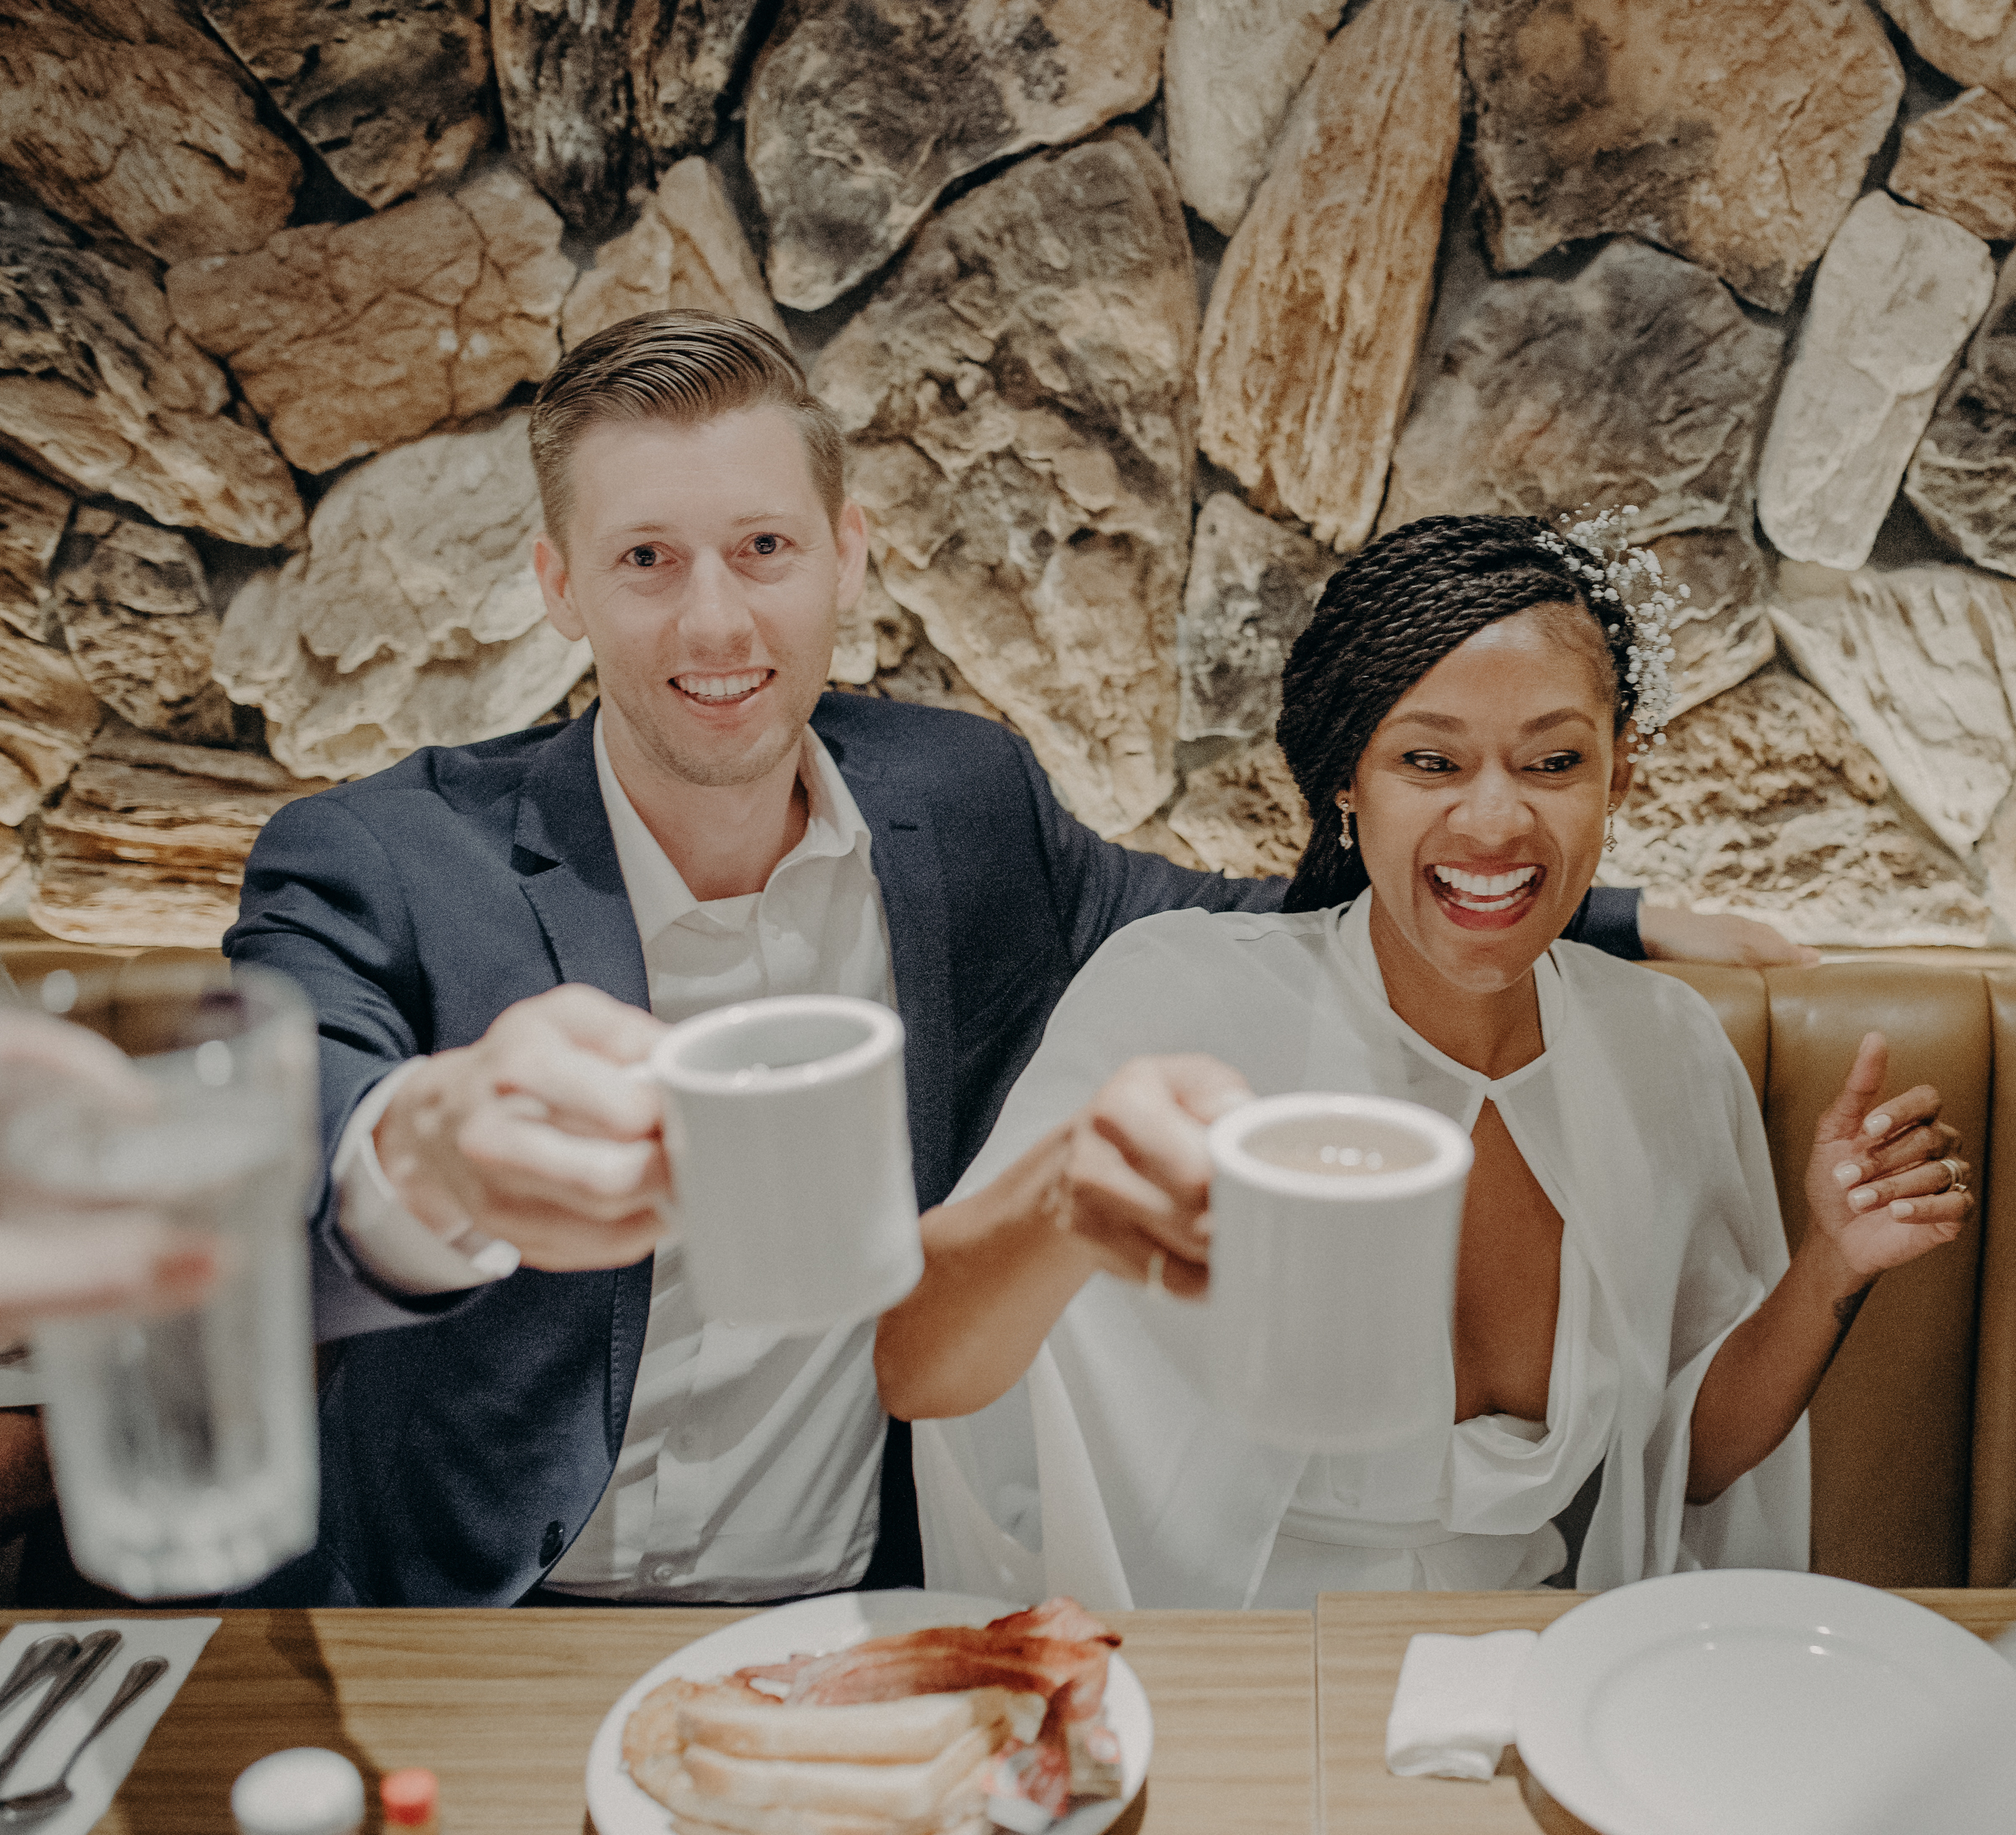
(537,1134)
(1877,1187)
(1670,935)
(1133,1179)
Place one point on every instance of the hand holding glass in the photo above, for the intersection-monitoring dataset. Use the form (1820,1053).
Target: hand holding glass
(183,1444)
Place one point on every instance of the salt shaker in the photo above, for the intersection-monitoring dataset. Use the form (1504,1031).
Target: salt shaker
(303,1790)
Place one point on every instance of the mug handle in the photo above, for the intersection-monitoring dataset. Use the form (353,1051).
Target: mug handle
(673,1128)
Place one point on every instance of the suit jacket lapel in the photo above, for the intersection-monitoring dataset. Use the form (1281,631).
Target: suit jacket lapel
(566,857)
(910,871)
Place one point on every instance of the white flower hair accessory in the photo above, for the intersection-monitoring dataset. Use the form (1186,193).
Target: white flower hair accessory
(1629,594)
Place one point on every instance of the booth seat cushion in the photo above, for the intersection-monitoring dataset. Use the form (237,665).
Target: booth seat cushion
(1895,1496)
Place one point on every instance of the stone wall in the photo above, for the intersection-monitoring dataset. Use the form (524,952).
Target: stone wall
(1138,314)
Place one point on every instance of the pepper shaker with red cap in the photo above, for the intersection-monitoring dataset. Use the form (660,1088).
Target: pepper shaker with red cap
(412,1800)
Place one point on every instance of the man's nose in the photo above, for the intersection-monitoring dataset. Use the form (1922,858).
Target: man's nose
(715,615)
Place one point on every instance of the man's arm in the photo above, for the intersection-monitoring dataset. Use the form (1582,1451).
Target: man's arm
(533,1134)
(1098,886)
(323,906)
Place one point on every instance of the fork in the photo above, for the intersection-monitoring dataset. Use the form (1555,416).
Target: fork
(37,1805)
(43,1656)
(92,1655)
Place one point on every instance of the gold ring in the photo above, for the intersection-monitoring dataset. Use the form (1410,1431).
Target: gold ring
(1953,1171)
(1154,1277)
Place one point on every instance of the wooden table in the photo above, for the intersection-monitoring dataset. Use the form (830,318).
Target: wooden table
(502,1705)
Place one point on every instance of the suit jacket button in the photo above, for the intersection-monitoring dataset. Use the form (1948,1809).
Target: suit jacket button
(550,1544)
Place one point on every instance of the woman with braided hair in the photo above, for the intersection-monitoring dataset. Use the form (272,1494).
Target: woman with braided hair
(1629,1337)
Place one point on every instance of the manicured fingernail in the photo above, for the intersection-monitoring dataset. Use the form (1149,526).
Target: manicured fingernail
(1862,1198)
(1901,1208)
(1847,1173)
(1877,1125)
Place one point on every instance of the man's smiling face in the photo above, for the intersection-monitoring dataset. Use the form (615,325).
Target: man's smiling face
(700,564)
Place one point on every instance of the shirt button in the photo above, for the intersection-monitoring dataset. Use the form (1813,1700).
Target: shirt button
(663,1574)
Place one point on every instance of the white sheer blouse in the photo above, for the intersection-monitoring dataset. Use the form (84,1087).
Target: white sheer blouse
(1106,1474)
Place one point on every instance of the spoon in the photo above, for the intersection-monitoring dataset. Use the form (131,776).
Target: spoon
(42,1656)
(33,1806)
(92,1655)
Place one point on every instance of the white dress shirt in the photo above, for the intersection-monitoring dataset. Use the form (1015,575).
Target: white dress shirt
(750,1461)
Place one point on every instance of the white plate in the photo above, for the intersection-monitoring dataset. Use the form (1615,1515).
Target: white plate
(818,1626)
(1743,1702)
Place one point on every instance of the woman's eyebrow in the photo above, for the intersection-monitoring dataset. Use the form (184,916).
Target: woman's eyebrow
(1557,718)
(1449,722)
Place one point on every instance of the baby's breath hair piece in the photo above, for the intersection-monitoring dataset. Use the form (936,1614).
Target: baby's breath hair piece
(1628,591)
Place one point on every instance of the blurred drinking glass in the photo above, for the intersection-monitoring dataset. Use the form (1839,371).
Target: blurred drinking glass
(183,1441)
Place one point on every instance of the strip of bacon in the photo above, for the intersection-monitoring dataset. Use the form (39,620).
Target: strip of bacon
(1008,1653)
(1059,1617)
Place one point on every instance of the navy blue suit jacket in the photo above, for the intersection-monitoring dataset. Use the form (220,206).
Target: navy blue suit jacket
(465,1440)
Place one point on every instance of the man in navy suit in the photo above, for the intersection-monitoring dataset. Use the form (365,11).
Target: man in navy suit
(523,1403)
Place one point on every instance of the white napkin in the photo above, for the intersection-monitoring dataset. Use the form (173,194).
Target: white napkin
(1452,1711)
(102,1769)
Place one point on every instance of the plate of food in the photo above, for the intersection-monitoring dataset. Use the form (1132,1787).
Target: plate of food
(899,1713)
(1750,1702)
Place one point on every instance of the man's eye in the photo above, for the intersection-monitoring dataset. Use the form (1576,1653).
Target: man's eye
(644,557)
(765,544)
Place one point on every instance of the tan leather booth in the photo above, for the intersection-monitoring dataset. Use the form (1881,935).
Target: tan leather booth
(1914,1427)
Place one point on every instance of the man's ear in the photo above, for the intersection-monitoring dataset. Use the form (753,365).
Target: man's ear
(550,564)
(850,538)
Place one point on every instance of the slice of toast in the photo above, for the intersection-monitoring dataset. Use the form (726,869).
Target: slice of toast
(964,1806)
(911,1731)
(895,1792)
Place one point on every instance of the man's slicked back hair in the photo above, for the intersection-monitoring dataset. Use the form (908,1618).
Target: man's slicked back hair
(682,366)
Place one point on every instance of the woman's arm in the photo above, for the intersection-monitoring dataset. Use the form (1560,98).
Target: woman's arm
(1121,1185)
(1877,1196)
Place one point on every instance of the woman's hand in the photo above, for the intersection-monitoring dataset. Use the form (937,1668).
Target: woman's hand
(1121,1185)
(1878,1196)
(1132,1179)
(1877,1187)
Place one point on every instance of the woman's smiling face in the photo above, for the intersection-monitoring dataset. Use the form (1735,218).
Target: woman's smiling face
(1482,797)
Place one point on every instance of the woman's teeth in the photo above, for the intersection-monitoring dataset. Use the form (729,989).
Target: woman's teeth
(720,687)
(1484,892)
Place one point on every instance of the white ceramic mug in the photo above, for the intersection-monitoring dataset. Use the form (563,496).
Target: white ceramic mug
(1333,1226)
(789,1142)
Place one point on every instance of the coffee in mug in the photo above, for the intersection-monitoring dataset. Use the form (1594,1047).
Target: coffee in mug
(786,1128)
(1335,1221)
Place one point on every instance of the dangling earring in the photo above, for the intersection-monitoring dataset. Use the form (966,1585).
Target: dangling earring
(1344,825)
(1610,831)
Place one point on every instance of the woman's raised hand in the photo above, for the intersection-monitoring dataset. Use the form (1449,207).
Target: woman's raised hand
(1133,1180)
(1882,1183)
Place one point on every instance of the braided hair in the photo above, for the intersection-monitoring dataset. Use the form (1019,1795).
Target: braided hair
(1388,615)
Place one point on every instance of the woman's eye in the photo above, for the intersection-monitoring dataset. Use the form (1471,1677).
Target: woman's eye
(1559,761)
(1427,761)
(643,557)
(766,545)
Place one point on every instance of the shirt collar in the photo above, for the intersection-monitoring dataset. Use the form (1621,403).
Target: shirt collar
(658,895)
